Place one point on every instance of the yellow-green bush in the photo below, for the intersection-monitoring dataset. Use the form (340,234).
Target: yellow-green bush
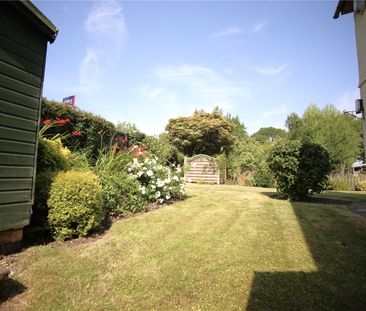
(361,186)
(75,204)
(52,155)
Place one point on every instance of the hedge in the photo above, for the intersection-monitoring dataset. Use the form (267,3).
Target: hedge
(88,132)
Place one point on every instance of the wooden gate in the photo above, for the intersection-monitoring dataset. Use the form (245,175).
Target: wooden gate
(202,168)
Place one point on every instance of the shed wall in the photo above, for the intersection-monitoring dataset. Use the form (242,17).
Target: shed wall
(22,61)
(360,27)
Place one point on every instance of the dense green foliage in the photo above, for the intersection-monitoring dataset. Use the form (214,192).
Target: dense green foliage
(121,193)
(135,136)
(86,131)
(361,186)
(158,183)
(239,131)
(269,134)
(202,133)
(51,156)
(75,204)
(250,157)
(112,161)
(338,133)
(299,168)
(161,148)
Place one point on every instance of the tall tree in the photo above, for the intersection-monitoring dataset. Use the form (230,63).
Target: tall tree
(240,131)
(207,133)
(340,134)
(269,134)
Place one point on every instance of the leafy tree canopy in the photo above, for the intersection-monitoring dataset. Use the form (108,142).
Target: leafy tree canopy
(269,134)
(135,136)
(208,133)
(338,133)
(240,131)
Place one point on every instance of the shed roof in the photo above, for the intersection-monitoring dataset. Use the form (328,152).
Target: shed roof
(36,17)
(343,7)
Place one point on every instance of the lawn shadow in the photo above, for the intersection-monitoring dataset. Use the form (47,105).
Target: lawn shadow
(10,288)
(336,240)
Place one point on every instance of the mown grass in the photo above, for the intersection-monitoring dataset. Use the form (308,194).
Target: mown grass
(351,196)
(224,248)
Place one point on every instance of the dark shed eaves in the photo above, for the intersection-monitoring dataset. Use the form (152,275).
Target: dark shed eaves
(31,12)
(343,7)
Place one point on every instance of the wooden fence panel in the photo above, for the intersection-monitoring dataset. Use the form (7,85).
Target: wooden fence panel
(202,168)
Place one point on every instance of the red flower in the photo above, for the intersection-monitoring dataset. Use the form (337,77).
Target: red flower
(47,122)
(57,118)
(76,133)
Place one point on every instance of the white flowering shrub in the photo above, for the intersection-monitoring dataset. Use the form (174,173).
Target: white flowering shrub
(158,183)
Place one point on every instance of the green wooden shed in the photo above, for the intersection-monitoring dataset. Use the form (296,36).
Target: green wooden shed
(24,35)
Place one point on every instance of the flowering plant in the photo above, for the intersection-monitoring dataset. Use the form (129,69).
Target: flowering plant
(158,183)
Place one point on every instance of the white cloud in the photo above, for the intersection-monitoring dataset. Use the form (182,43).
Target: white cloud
(278,111)
(88,72)
(271,71)
(105,22)
(227,32)
(274,117)
(156,92)
(178,90)
(106,29)
(346,101)
(234,31)
(258,27)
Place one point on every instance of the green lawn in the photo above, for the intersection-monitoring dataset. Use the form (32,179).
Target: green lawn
(224,248)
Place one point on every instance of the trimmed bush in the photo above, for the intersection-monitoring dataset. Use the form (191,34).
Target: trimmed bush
(75,204)
(361,186)
(44,181)
(52,156)
(299,169)
(263,177)
(121,193)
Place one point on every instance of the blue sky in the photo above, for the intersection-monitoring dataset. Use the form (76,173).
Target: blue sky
(146,61)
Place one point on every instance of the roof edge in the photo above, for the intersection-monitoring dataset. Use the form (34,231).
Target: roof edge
(343,7)
(30,11)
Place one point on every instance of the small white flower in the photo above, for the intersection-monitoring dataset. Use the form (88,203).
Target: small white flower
(160,183)
(157,194)
(179,169)
(139,174)
(149,173)
(167,196)
(161,201)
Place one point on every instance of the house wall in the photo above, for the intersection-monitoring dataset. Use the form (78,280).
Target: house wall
(22,61)
(360,26)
